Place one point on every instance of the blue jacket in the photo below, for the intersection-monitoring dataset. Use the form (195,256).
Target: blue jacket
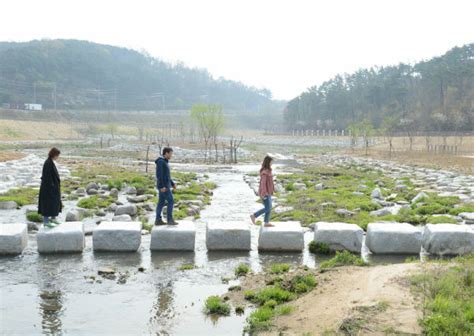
(163,174)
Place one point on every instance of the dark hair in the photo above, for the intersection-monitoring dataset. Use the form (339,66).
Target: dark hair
(167,150)
(266,163)
(53,152)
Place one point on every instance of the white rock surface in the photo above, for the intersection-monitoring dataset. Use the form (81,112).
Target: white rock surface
(339,236)
(179,237)
(228,236)
(13,238)
(393,238)
(117,236)
(64,238)
(122,218)
(448,239)
(284,236)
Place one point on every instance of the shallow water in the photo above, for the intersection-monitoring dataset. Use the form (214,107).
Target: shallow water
(55,294)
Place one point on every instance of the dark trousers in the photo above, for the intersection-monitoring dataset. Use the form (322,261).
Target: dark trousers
(165,197)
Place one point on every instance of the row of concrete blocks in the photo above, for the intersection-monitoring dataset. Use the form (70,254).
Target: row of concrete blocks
(126,236)
(397,238)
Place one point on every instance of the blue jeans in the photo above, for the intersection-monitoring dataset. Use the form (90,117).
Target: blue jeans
(45,219)
(165,197)
(267,210)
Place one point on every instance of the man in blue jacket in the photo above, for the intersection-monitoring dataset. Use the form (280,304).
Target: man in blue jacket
(164,185)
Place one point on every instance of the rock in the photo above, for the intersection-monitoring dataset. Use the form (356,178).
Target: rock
(100,213)
(376,193)
(381,212)
(400,187)
(468,217)
(299,186)
(112,207)
(92,185)
(80,191)
(339,236)
(345,213)
(8,205)
(137,199)
(117,236)
(13,238)
(64,238)
(419,197)
(319,186)
(122,218)
(448,239)
(92,191)
(284,236)
(74,215)
(149,206)
(228,236)
(393,238)
(130,190)
(179,237)
(32,226)
(113,192)
(129,209)
(104,187)
(358,193)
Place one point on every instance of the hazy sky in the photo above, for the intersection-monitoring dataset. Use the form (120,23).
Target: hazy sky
(285,46)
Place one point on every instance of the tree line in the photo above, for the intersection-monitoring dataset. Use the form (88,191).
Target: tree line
(432,95)
(72,74)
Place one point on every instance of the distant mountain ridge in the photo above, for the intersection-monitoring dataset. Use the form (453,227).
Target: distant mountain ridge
(73,74)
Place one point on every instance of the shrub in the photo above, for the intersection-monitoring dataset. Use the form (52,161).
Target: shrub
(242,269)
(34,217)
(214,305)
(259,319)
(270,293)
(279,268)
(302,283)
(319,248)
(341,259)
(187,267)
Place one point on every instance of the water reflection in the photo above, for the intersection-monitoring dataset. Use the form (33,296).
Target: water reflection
(51,309)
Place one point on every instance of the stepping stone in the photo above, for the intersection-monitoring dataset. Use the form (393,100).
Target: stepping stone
(65,238)
(13,238)
(179,237)
(233,236)
(8,205)
(339,236)
(448,239)
(284,236)
(393,238)
(117,236)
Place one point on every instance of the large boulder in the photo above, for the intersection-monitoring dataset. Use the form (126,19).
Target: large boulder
(13,238)
(179,237)
(91,186)
(74,215)
(284,236)
(448,239)
(64,238)
(339,236)
(228,236)
(129,209)
(8,205)
(393,238)
(117,236)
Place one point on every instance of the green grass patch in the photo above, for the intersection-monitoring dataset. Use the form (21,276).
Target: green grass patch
(34,217)
(94,202)
(448,298)
(242,269)
(344,258)
(214,305)
(279,268)
(187,267)
(22,196)
(441,220)
(269,293)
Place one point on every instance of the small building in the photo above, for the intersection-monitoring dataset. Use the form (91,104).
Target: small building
(34,107)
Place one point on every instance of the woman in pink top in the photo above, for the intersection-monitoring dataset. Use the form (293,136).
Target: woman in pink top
(265,191)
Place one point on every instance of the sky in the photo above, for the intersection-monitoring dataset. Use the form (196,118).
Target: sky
(284,46)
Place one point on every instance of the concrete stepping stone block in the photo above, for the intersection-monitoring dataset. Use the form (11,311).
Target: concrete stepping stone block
(117,236)
(65,238)
(13,238)
(339,236)
(284,236)
(232,236)
(448,239)
(179,237)
(393,238)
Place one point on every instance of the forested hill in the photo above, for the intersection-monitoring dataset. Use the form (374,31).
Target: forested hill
(81,74)
(433,95)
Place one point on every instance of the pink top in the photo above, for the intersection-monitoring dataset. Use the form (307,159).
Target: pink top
(266,183)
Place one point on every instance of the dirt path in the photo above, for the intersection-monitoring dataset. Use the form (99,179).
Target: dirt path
(369,300)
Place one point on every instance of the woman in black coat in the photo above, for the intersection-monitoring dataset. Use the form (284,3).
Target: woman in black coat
(49,204)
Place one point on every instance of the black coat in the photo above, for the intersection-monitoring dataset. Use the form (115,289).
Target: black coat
(49,203)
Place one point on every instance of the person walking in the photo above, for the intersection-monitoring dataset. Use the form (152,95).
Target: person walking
(164,185)
(265,191)
(49,200)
